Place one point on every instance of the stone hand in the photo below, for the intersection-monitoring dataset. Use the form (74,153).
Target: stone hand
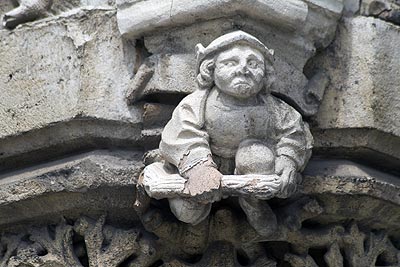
(203,183)
(286,169)
(267,188)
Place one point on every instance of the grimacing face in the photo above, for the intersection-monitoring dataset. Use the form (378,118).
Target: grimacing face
(239,71)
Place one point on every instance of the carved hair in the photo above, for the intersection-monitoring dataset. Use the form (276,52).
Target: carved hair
(205,78)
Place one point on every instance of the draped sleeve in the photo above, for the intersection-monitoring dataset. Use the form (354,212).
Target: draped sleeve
(293,136)
(184,142)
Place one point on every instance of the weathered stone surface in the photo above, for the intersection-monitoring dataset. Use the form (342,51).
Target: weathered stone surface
(305,225)
(160,183)
(351,6)
(82,242)
(61,84)
(359,190)
(349,245)
(17,12)
(92,182)
(231,119)
(223,254)
(147,16)
(361,106)
(165,71)
(71,93)
(325,242)
(388,10)
(26,11)
(69,84)
(122,246)
(363,91)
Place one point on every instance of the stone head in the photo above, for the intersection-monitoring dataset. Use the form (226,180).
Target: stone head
(237,63)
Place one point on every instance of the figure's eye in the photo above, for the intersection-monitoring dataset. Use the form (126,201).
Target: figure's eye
(253,63)
(230,63)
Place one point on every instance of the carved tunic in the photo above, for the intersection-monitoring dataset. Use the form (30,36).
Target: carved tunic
(186,141)
(228,125)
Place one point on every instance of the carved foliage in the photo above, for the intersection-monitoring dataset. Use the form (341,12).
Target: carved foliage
(345,247)
(222,254)
(86,243)
(224,240)
(295,243)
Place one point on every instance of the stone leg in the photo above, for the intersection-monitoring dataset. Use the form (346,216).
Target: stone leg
(189,211)
(255,157)
(259,215)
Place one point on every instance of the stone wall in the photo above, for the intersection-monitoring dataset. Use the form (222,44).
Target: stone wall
(87,87)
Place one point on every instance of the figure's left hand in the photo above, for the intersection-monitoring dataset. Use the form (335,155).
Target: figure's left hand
(286,169)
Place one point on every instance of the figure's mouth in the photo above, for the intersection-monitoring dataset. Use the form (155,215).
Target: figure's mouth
(241,82)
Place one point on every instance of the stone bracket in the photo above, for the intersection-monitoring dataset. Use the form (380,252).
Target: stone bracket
(146,16)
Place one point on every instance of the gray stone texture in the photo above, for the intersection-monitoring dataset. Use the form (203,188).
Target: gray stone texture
(85,183)
(87,88)
(361,105)
(313,25)
(67,75)
(70,94)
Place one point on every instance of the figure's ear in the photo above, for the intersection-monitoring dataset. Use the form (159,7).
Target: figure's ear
(207,68)
(205,78)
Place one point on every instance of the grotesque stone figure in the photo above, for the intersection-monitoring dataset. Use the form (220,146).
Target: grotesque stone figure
(231,137)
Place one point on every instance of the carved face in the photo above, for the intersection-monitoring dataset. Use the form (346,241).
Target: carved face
(239,71)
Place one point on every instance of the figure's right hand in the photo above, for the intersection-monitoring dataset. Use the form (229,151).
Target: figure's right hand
(204,183)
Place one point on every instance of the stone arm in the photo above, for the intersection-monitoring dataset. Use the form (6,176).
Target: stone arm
(293,147)
(183,142)
(294,140)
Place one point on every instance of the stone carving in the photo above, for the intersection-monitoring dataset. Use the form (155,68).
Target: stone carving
(27,10)
(301,29)
(335,244)
(86,242)
(344,244)
(224,240)
(230,137)
(32,10)
(313,94)
(62,101)
(153,75)
(222,254)
(388,10)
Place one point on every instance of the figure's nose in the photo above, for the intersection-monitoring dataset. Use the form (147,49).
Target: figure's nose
(242,69)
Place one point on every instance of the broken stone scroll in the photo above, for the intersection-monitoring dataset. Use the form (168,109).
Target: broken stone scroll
(230,137)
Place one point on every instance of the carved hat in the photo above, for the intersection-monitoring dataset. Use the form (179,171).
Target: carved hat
(227,40)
